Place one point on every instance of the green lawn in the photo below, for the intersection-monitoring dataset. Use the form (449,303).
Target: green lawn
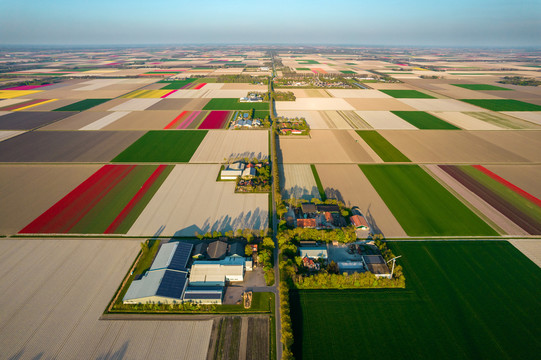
(480,87)
(348,72)
(421,205)
(424,120)
(503,104)
(82,105)
(463,300)
(163,146)
(177,84)
(385,150)
(407,94)
(320,187)
(234,104)
(303,69)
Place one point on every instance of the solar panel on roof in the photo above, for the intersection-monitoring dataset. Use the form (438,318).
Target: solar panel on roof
(172,284)
(181,256)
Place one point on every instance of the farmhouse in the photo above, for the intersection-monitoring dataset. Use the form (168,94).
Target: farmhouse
(359,222)
(166,279)
(306,223)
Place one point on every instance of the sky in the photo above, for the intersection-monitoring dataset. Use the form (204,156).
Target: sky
(482,23)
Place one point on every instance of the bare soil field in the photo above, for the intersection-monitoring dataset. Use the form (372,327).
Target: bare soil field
(105,121)
(317,93)
(170,104)
(323,146)
(439,105)
(386,86)
(144,120)
(313,118)
(250,87)
(135,105)
(358,94)
(188,94)
(443,146)
(77,121)
(194,103)
(66,146)
(4,135)
(531,116)
(59,289)
(526,144)
(109,105)
(384,120)
(336,119)
(224,144)
(192,201)
(461,93)
(27,120)
(313,104)
(484,209)
(347,183)
(64,93)
(525,177)
(298,182)
(226,94)
(529,247)
(52,105)
(379,105)
(26,191)
(465,121)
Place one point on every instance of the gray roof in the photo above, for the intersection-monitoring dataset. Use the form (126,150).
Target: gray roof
(308,208)
(237,249)
(164,283)
(200,249)
(172,256)
(217,249)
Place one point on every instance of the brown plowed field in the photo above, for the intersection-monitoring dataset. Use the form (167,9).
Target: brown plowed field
(523,220)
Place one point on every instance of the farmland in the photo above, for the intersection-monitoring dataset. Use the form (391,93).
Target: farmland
(385,150)
(298,182)
(234,104)
(107,202)
(423,120)
(462,297)
(219,145)
(503,104)
(421,205)
(163,146)
(480,87)
(407,94)
(82,105)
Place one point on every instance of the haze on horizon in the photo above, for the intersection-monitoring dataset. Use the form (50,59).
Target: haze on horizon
(491,23)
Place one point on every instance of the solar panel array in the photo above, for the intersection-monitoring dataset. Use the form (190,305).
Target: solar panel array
(172,284)
(202,296)
(181,256)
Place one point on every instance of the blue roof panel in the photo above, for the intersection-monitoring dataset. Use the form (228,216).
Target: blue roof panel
(172,284)
(181,256)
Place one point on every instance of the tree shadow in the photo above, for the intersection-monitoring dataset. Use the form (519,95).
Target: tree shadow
(333,193)
(116,355)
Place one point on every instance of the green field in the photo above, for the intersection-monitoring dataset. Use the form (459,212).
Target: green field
(320,187)
(234,104)
(82,105)
(308,62)
(98,219)
(421,205)
(424,120)
(261,114)
(303,69)
(385,150)
(503,104)
(177,84)
(480,87)
(163,146)
(407,94)
(463,300)
(348,72)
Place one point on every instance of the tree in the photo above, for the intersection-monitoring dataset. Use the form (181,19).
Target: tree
(332,268)
(248,250)
(268,243)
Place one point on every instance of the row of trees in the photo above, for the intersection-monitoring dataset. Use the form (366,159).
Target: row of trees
(520,80)
(326,280)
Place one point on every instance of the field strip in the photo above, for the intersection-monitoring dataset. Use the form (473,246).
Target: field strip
(465,121)
(531,116)
(530,248)
(4,135)
(354,120)
(482,207)
(104,121)
(355,135)
(384,120)
(298,182)
(36,104)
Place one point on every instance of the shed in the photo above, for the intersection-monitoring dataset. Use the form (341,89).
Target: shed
(200,250)
(204,294)
(328,208)
(308,208)
(377,265)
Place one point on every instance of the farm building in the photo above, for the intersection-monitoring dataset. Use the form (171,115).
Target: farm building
(307,223)
(236,249)
(217,272)
(308,209)
(313,252)
(359,222)
(200,250)
(327,208)
(249,173)
(204,294)
(377,266)
(166,279)
(217,250)
(351,267)
(232,171)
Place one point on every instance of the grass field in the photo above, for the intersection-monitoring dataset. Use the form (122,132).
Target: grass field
(234,104)
(82,105)
(407,94)
(503,104)
(480,87)
(421,205)
(424,120)
(348,72)
(463,300)
(307,62)
(320,187)
(385,150)
(303,69)
(177,84)
(163,146)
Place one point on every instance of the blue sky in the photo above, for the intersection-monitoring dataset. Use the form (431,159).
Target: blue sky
(384,22)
